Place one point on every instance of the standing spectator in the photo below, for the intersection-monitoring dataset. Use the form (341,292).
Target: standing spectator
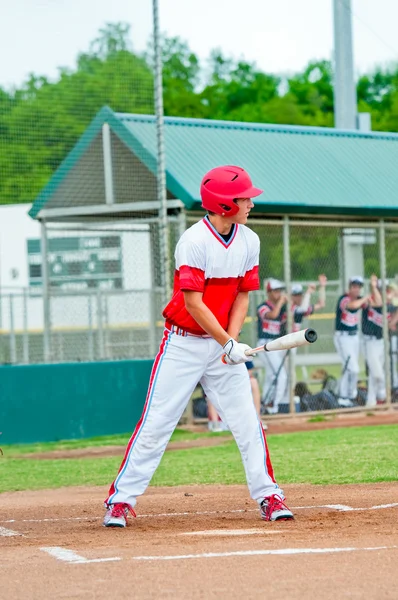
(392,308)
(301,303)
(346,339)
(372,329)
(271,318)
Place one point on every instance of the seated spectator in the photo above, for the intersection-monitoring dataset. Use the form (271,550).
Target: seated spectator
(323,400)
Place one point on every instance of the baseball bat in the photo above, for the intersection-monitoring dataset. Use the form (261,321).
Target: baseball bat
(291,340)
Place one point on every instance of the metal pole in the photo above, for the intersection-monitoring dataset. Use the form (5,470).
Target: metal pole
(107,157)
(1,296)
(13,347)
(25,341)
(287,274)
(90,327)
(101,351)
(46,294)
(161,160)
(386,336)
(345,98)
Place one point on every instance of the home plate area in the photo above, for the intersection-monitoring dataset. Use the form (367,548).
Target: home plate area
(201,542)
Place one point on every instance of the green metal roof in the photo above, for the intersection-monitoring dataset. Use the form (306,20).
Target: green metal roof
(301,169)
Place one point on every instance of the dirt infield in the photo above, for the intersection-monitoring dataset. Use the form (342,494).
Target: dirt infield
(201,542)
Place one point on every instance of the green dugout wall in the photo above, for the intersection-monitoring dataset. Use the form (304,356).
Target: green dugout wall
(50,402)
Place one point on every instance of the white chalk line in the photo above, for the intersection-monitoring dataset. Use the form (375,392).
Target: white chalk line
(68,556)
(338,507)
(280,551)
(231,532)
(9,533)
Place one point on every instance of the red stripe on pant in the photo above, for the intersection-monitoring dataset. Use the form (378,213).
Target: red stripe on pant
(268,458)
(159,355)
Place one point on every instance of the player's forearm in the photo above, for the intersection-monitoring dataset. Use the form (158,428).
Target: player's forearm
(377,298)
(354,304)
(207,321)
(274,313)
(306,302)
(238,314)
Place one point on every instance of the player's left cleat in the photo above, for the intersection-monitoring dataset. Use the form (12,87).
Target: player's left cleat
(274,509)
(116,515)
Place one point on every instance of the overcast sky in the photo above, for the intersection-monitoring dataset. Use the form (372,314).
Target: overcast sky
(281,36)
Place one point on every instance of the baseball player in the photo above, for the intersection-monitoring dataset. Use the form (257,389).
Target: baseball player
(301,303)
(392,309)
(216,268)
(346,339)
(271,320)
(372,330)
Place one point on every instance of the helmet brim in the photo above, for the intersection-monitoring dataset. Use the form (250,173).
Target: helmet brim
(252,192)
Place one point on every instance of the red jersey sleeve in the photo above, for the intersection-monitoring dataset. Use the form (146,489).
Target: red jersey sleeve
(262,311)
(191,279)
(251,281)
(343,302)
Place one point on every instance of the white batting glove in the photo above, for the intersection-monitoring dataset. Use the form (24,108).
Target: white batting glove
(235,352)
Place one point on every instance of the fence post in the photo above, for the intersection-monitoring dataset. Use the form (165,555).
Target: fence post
(164,234)
(13,347)
(100,326)
(287,274)
(46,293)
(90,325)
(25,334)
(386,335)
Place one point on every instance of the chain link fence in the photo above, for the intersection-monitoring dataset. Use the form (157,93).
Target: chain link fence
(106,296)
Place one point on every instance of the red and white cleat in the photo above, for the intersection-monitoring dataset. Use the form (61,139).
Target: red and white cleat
(116,515)
(274,509)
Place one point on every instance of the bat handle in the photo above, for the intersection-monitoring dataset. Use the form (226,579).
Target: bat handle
(251,352)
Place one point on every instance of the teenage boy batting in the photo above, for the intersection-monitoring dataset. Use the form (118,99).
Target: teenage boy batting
(216,268)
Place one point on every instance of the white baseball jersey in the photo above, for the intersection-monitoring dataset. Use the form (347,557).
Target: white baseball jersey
(206,263)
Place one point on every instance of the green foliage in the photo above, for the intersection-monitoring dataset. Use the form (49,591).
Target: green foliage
(42,120)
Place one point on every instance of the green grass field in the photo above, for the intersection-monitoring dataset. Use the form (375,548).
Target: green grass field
(332,456)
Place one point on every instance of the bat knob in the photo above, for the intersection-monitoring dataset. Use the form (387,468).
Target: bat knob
(311,335)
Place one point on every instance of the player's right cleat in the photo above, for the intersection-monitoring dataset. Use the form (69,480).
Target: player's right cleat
(116,515)
(274,509)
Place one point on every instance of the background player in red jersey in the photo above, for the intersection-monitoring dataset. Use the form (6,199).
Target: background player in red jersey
(271,321)
(216,268)
(346,339)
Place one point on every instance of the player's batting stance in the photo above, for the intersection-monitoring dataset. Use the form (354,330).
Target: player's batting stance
(216,268)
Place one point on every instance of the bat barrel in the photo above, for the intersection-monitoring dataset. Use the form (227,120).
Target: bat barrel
(311,335)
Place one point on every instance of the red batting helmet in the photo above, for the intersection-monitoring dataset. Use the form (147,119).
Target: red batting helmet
(222,185)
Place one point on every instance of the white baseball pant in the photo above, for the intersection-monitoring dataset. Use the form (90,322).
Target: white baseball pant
(347,346)
(276,389)
(394,361)
(374,355)
(181,363)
